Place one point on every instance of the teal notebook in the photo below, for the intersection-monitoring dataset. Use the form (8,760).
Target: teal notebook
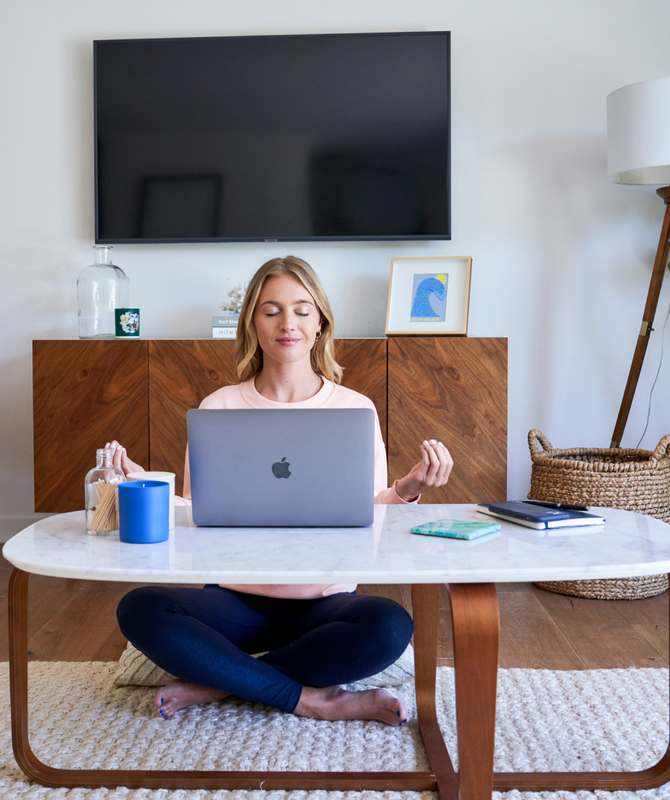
(456,529)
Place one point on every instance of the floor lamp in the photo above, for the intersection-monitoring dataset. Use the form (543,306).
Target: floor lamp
(638,152)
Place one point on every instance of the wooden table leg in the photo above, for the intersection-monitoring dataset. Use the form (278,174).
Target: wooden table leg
(162,779)
(475,619)
(426,606)
(650,778)
(18,669)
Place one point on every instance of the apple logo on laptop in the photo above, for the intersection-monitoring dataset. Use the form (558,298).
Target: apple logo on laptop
(280,468)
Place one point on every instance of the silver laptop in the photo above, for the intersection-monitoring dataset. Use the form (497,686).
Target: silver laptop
(283,468)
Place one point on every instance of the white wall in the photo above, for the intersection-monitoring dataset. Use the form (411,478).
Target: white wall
(561,258)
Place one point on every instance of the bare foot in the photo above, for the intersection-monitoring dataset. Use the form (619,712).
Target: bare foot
(179,695)
(334,702)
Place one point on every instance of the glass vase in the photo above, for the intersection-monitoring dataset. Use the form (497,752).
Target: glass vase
(102,507)
(101,288)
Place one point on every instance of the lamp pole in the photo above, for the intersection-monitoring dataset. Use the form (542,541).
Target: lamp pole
(647,320)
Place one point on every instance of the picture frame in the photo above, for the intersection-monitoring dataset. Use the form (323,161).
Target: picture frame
(429,296)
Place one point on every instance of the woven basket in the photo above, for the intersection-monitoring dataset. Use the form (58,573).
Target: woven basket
(635,480)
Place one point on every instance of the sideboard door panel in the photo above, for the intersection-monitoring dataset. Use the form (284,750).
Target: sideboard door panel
(453,390)
(85,393)
(181,375)
(364,362)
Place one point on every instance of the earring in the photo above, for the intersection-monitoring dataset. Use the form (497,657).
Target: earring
(318,334)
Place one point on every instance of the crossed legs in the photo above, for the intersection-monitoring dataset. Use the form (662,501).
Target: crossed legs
(205,637)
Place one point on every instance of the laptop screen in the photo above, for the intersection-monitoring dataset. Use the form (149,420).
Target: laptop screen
(283,467)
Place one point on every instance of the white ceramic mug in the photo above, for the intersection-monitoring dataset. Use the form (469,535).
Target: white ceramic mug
(165,477)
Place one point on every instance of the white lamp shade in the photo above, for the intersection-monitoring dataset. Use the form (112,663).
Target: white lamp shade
(638,133)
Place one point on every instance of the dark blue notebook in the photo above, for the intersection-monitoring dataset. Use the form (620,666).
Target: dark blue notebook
(539,517)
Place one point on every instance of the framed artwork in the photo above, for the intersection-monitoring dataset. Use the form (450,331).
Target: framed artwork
(429,296)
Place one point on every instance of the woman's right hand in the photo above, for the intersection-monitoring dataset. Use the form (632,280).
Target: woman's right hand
(121,460)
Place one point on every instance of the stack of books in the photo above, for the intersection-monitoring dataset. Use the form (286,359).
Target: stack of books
(225,325)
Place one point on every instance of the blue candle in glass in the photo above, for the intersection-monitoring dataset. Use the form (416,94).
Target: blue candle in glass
(144,512)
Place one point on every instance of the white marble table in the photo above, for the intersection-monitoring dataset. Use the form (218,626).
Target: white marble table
(627,545)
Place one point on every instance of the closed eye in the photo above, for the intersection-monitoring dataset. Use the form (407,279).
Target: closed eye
(270,309)
(297,313)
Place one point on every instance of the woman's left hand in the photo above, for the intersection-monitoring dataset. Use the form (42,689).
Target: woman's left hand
(431,472)
(121,460)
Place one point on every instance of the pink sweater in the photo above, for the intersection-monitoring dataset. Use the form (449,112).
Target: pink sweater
(331,395)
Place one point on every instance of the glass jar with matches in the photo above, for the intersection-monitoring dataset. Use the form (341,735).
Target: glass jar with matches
(102,507)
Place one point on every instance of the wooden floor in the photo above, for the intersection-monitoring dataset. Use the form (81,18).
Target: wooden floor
(75,621)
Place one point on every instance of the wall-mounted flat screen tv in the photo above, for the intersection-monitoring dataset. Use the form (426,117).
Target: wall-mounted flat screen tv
(286,138)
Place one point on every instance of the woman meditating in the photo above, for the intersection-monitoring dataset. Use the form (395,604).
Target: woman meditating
(314,637)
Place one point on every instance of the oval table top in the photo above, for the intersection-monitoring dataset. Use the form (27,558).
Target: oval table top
(627,545)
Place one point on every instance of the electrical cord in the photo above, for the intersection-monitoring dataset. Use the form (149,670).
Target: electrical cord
(658,372)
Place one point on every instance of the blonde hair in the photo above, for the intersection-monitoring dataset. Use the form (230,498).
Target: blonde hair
(248,354)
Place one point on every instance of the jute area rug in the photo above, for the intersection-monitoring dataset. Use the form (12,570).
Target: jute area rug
(591,720)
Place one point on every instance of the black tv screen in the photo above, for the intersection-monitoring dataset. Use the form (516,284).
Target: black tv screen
(286,138)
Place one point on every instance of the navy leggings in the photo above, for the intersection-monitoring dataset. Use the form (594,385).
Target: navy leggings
(204,636)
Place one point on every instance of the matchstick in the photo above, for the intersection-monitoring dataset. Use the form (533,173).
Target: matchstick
(105,516)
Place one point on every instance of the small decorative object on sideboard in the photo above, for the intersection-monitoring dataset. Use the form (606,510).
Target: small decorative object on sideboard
(224,326)
(127,322)
(428,297)
(101,288)
(102,517)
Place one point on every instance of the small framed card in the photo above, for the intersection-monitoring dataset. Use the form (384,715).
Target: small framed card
(429,296)
(127,322)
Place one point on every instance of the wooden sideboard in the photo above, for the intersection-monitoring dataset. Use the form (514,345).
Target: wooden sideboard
(88,392)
